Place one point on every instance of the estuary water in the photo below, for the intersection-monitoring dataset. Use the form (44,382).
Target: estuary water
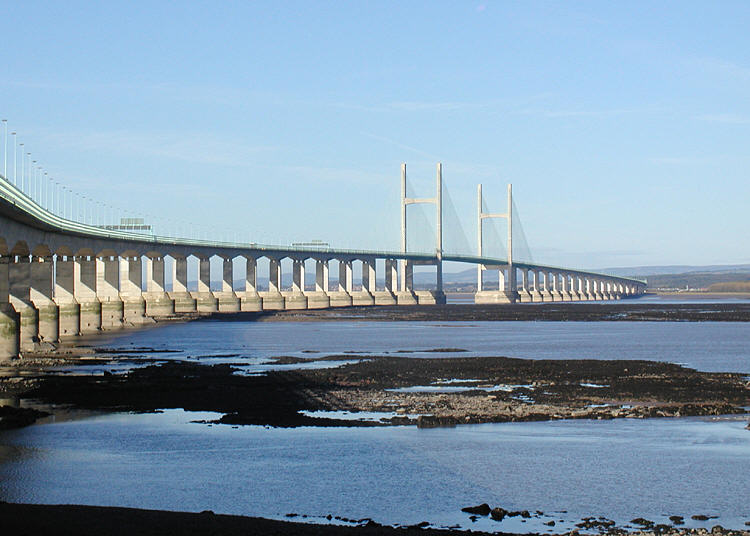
(620,469)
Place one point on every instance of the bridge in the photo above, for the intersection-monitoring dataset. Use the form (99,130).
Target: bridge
(65,272)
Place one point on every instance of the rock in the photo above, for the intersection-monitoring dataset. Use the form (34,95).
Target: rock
(642,521)
(550,523)
(498,514)
(677,520)
(482,509)
(699,517)
(717,529)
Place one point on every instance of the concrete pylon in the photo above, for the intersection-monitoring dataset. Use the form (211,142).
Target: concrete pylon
(42,271)
(226,300)
(250,299)
(158,302)
(318,298)
(108,292)
(387,295)
(365,296)
(131,291)
(9,321)
(85,294)
(205,301)
(342,297)
(19,284)
(272,298)
(184,302)
(296,299)
(507,291)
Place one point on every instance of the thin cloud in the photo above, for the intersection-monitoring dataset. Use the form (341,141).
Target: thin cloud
(195,147)
(729,119)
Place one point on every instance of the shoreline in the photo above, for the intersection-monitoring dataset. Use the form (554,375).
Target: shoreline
(85,520)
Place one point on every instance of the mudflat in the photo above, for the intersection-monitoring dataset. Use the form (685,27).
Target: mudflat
(440,391)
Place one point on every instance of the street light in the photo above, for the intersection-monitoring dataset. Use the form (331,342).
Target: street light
(5,150)
(14,158)
(22,167)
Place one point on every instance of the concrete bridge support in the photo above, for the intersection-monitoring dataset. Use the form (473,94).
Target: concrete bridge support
(226,300)
(273,299)
(184,302)
(387,296)
(42,277)
(296,299)
(85,294)
(108,292)
(524,293)
(158,303)
(9,320)
(318,299)
(68,309)
(406,295)
(19,288)
(342,297)
(131,291)
(365,296)
(250,300)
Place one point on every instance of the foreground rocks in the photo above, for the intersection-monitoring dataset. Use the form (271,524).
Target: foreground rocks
(44,520)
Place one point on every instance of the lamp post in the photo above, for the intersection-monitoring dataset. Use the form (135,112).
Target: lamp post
(22,167)
(5,150)
(15,150)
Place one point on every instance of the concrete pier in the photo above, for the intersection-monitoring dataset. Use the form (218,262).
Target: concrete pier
(250,300)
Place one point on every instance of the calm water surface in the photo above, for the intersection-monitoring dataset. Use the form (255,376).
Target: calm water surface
(621,469)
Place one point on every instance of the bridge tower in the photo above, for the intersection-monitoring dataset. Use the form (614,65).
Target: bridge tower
(406,294)
(507,291)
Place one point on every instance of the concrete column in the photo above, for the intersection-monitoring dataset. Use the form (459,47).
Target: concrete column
(205,301)
(342,297)
(183,300)
(391,275)
(318,299)
(538,293)
(274,276)
(365,296)
(227,300)
(158,302)
(273,299)
(407,296)
(565,286)
(321,276)
(19,285)
(501,281)
(85,293)
(9,320)
(131,291)
(250,300)
(388,295)
(296,299)
(525,292)
(41,293)
(68,310)
(108,292)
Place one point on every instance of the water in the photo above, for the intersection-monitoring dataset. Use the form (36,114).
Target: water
(620,469)
(708,346)
(402,475)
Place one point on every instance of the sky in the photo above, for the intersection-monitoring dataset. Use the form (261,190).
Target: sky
(623,126)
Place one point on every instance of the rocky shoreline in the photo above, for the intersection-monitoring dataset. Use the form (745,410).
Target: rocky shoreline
(43,520)
(391,390)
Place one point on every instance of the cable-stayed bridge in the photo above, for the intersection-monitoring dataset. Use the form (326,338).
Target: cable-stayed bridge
(68,268)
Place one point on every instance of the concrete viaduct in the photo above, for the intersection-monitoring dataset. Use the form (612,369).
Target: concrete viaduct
(60,278)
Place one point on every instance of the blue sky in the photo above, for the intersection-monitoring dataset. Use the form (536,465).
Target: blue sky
(622,126)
